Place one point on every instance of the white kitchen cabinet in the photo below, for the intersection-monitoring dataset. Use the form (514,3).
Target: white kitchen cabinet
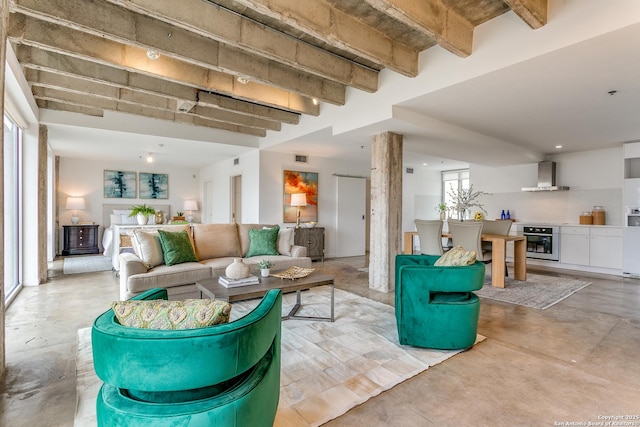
(574,245)
(605,247)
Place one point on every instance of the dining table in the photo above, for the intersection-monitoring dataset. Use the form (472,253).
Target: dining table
(498,255)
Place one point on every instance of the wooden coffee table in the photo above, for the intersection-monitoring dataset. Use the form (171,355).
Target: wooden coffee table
(212,289)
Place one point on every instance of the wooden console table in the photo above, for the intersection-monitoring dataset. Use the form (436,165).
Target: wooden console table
(498,255)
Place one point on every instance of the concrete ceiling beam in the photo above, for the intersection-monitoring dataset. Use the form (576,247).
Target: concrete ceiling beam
(533,12)
(55,38)
(235,30)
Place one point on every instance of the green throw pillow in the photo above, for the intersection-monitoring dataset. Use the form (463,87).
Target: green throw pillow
(263,242)
(163,314)
(176,247)
(455,257)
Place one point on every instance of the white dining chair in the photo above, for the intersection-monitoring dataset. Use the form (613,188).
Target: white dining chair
(468,234)
(430,235)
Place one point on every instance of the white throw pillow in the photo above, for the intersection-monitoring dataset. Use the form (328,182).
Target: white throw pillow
(128,220)
(147,247)
(285,240)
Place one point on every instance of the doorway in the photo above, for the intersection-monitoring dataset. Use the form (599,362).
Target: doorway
(351,216)
(236,199)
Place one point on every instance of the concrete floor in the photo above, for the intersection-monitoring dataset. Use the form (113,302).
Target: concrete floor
(574,362)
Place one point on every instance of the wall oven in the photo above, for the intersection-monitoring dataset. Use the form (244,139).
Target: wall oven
(542,241)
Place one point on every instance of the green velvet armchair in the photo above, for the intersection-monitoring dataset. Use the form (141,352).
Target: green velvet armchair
(222,375)
(435,306)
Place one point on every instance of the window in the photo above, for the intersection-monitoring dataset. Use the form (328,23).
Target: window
(12,203)
(452,182)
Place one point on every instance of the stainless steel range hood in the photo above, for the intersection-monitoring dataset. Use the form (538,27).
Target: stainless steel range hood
(546,178)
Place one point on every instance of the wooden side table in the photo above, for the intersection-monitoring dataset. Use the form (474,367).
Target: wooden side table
(312,239)
(80,239)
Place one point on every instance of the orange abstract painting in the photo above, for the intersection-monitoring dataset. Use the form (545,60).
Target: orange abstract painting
(301,182)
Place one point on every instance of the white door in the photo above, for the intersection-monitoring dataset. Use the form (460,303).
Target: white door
(350,217)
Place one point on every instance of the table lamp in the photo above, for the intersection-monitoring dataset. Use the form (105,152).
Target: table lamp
(190,206)
(297,200)
(75,203)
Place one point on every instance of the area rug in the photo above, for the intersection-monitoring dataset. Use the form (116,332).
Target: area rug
(538,291)
(327,368)
(86,264)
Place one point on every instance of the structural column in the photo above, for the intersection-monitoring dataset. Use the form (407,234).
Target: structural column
(386,210)
(4,20)
(43,141)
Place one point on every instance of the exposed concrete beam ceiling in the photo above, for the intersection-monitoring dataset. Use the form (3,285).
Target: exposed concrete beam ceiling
(243,66)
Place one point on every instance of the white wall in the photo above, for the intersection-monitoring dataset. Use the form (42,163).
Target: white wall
(594,177)
(82,177)
(421,193)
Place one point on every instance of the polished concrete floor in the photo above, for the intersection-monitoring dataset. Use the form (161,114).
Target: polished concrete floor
(575,362)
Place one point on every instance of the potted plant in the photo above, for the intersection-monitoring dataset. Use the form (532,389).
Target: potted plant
(142,212)
(265,265)
(441,208)
(179,216)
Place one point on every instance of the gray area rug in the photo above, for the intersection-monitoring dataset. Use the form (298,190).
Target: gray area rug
(327,368)
(538,291)
(86,264)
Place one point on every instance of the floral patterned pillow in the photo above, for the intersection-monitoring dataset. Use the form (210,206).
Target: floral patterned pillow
(163,314)
(455,257)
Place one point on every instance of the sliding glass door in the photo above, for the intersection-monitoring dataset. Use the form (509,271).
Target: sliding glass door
(12,203)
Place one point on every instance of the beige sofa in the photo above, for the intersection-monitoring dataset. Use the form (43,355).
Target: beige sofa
(216,245)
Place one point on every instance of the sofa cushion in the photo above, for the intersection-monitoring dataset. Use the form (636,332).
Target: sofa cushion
(216,241)
(243,234)
(285,240)
(455,257)
(263,242)
(147,247)
(163,314)
(176,247)
(165,277)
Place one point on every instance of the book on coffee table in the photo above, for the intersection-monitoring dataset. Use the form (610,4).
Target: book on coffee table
(230,283)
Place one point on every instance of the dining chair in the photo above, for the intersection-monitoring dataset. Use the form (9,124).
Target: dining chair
(430,235)
(468,234)
(500,227)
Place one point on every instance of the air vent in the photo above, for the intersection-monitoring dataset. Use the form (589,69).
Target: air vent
(236,161)
(409,170)
(301,159)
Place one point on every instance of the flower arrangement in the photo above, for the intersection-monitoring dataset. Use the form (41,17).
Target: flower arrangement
(265,263)
(478,216)
(466,199)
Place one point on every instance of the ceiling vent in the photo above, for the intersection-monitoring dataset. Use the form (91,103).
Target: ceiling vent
(301,159)
(546,178)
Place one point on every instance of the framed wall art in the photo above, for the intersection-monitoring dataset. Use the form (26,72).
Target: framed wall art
(119,185)
(154,185)
(301,182)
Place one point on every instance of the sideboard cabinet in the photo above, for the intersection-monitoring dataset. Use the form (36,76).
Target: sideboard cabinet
(312,239)
(80,239)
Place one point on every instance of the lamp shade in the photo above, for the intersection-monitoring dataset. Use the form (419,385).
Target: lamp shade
(75,203)
(190,205)
(299,199)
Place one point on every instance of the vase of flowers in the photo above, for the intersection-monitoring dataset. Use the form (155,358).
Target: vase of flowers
(464,200)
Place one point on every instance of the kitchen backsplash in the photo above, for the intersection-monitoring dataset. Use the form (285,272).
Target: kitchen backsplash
(555,206)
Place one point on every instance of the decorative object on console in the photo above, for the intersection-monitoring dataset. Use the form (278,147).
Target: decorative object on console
(464,200)
(179,216)
(75,203)
(154,185)
(298,200)
(237,269)
(159,217)
(142,212)
(300,182)
(190,206)
(119,184)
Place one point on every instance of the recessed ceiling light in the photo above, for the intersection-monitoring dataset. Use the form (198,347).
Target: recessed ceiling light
(150,158)
(425,164)
(152,54)
(558,146)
